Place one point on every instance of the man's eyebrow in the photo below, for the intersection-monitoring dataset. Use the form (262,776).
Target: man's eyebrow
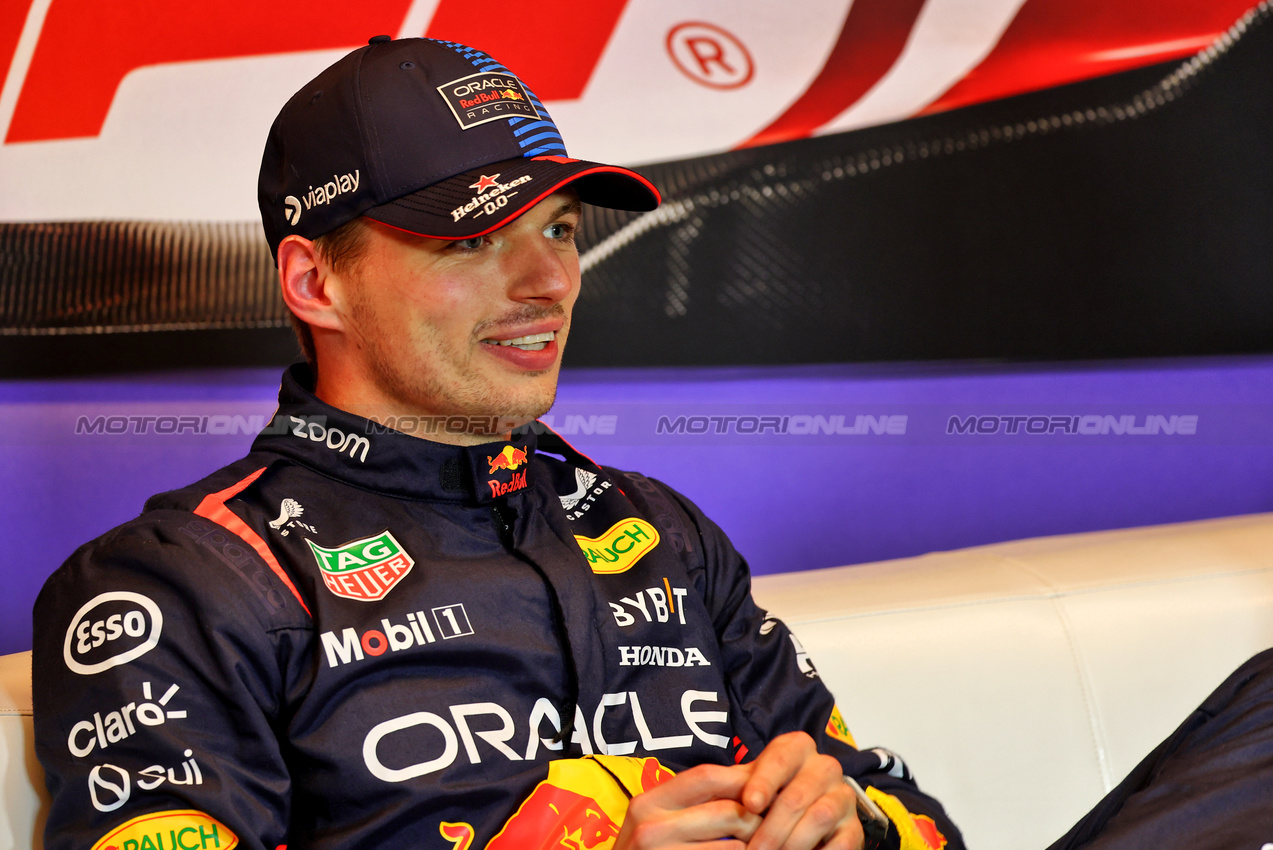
(574,206)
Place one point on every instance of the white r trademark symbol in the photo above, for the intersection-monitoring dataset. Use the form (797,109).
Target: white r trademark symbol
(709,55)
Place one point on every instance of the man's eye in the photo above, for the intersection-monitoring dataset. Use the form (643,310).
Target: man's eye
(471,244)
(560,230)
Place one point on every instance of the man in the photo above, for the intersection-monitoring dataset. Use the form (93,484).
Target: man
(404,619)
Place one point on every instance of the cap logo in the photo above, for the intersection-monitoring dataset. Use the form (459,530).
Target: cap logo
(340,184)
(490,96)
(492,196)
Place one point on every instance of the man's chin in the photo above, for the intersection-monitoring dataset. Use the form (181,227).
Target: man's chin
(520,412)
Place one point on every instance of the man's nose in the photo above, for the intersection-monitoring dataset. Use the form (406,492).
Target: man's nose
(543,273)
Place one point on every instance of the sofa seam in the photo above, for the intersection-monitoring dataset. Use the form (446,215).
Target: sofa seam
(1051,594)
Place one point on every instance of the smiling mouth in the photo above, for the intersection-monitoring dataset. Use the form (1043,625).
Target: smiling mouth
(530,342)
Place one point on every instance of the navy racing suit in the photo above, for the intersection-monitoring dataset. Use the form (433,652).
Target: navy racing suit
(353,637)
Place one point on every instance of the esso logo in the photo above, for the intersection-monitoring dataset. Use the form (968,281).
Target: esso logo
(111,629)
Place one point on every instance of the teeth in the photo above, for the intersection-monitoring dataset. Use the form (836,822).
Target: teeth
(530,342)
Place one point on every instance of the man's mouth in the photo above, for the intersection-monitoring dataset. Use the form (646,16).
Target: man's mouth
(530,342)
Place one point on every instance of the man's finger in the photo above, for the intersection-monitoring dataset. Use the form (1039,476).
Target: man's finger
(809,808)
(699,785)
(828,822)
(697,805)
(775,767)
(648,826)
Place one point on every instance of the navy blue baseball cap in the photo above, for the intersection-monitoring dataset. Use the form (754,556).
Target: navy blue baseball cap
(428,136)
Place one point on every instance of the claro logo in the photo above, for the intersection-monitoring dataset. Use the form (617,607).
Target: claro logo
(111,629)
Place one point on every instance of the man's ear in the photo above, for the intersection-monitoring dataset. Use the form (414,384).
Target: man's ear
(310,290)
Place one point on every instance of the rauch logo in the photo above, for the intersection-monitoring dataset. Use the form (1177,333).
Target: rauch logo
(188,829)
(621,547)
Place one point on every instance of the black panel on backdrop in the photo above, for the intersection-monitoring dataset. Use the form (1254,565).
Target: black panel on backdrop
(1121,217)
(1036,227)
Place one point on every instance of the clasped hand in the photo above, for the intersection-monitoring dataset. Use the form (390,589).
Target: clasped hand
(789,797)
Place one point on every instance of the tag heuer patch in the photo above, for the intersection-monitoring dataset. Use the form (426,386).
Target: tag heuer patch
(490,96)
(365,569)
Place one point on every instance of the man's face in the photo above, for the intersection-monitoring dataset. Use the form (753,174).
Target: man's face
(474,327)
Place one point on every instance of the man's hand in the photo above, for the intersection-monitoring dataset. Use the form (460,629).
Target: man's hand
(803,796)
(790,797)
(698,805)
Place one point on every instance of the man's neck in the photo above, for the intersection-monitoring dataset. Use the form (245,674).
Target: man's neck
(456,429)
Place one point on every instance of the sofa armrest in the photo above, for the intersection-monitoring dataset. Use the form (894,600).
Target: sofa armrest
(1023,680)
(23,797)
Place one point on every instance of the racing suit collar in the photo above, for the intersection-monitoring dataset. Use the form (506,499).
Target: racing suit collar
(375,457)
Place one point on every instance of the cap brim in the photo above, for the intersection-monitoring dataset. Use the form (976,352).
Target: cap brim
(482,200)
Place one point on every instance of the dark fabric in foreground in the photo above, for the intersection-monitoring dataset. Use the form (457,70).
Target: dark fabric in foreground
(1209,785)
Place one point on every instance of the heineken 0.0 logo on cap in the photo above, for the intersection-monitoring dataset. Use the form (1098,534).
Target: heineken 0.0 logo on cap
(365,569)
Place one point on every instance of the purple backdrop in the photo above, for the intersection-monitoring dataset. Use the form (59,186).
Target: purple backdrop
(918,458)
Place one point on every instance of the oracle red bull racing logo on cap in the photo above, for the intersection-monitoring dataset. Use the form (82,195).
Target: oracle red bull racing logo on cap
(580,805)
(479,98)
(365,569)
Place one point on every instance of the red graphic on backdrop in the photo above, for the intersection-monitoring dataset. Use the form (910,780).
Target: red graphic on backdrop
(1048,43)
(1053,42)
(873,36)
(709,55)
(87,47)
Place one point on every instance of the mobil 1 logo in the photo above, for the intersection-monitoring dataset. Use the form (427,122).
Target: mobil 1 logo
(111,629)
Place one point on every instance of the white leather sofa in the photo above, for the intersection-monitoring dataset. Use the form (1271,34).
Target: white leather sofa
(22,793)
(1021,681)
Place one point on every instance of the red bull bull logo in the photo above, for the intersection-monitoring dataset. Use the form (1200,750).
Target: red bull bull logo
(929,832)
(580,806)
(554,817)
(510,458)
